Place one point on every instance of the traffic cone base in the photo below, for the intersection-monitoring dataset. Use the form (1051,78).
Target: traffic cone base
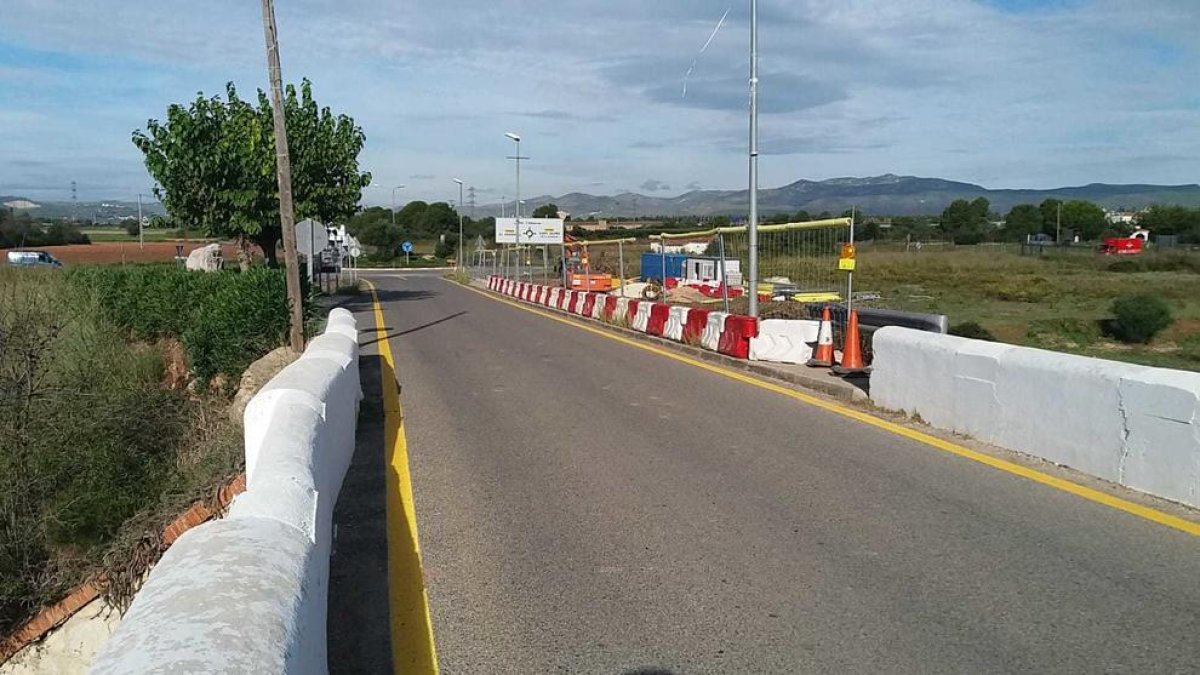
(822,356)
(852,358)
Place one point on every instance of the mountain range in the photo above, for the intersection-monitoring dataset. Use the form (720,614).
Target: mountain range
(881,195)
(107,212)
(888,194)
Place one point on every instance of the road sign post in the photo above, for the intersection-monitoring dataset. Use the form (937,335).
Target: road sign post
(407,248)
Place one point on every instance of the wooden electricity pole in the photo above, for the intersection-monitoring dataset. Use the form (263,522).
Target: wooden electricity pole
(287,219)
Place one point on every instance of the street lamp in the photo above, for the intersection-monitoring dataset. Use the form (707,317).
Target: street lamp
(398,187)
(460,223)
(516,138)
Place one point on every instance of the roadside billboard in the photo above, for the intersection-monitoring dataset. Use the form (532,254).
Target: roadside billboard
(533,231)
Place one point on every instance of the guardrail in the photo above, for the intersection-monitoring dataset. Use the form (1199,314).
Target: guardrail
(249,593)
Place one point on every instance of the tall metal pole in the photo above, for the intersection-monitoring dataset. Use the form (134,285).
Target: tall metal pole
(141,239)
(753,229)
(850,274)
(284,170)
(461,243)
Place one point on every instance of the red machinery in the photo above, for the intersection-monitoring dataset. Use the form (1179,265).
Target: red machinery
(1123,246)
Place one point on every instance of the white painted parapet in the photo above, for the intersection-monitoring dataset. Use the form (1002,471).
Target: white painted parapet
(1128,424)
(249,593)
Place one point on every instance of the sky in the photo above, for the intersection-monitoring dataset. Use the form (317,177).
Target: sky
(1004,93)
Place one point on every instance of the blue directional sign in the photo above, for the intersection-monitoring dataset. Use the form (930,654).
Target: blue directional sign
(406,247)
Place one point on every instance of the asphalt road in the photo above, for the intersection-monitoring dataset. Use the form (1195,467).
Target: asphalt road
(589,507)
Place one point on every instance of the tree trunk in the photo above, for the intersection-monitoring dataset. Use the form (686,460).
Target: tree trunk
(268,241)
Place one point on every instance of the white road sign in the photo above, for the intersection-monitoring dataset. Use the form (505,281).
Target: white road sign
(536,231)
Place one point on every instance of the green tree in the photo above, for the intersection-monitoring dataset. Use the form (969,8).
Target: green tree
(214,161)
(1084,219)
(964,221)
(1022,220)
(1172,220)
(1049,209)
(546,211)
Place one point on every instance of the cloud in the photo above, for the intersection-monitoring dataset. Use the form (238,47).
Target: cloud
(965,89)
(693,186)
(652,185)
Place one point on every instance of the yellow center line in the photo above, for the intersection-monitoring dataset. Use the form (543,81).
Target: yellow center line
(1090,494)
(411,625)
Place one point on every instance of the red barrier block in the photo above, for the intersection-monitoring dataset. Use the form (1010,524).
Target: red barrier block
(589,304)
(735,339)
(632,311)
(563,298)
(537,294)
(697,321)
(545,299)
(658,319)
(610,307)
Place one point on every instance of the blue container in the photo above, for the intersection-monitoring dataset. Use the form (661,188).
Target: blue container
(652,265)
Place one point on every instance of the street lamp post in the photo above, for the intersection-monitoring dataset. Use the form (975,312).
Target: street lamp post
(141,239)
(516,138)
(398,187)
(753,227)
(461,266)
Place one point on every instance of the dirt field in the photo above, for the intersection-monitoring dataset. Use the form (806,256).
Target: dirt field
(129,252)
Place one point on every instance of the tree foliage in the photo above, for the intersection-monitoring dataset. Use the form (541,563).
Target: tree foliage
(1022,221)
(214,163)
(965,221)
(1173,220)
(546,211)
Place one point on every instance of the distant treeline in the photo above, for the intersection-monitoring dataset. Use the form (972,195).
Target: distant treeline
(19,230)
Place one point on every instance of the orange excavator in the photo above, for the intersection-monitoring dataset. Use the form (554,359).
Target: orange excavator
(579,271)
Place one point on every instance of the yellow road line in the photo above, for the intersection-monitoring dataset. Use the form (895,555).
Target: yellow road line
(1139,510)
(411,625)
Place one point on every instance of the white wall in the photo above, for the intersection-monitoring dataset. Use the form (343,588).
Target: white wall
(249,593)
(1133,425)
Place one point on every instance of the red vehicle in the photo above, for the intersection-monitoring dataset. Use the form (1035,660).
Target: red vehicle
(1129,246)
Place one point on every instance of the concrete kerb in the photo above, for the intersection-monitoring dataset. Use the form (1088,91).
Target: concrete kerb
(819,381)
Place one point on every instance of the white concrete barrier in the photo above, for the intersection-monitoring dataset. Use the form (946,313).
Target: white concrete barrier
(554,295)
(249,593)
(784,340)
(1128,424)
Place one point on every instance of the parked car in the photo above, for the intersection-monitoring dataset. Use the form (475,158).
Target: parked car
(32,259)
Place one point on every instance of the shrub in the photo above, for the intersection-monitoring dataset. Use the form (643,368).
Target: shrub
(225,320)
(973,330)
(1020,289)
(1138,318)
(244,318)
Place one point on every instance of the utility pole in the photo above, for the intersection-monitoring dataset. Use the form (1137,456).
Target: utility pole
(461,244)
(283,166)
(74,204)
(1058,226)
(141,239)
(753,228)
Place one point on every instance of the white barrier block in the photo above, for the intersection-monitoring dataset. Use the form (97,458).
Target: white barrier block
(642,318)
(230,596)
(555,294)
(784,340)
(622,310)
(598,308)
(713,329)
(913,372)
(676,320)
(974,400)
(1162,451)
(1063,408)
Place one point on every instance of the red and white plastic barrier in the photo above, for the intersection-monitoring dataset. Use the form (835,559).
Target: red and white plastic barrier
(779,340)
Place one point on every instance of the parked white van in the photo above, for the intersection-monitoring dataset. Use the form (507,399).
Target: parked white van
(32,259)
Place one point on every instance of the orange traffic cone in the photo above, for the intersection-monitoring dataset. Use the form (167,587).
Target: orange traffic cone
(823,355)
(852,358)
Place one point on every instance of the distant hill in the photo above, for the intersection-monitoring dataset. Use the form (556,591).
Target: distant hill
(886,195)
(97,212)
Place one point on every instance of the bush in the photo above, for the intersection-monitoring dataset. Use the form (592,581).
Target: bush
(1138,318)
(446,249)
(973,330)
(95,454)
(225,320)
(246,317)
